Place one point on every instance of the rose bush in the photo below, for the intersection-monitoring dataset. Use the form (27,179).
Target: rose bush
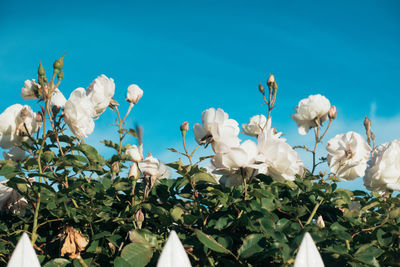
(250,207)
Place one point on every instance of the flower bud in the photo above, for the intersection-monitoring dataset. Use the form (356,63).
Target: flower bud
(139,218)
(332,114)
(39,116)
(134,94)
(320,222)
(58,64)
(55,109)
(41,71)
(134,171)
(184,127)
(272,83)
(60,75)
(261,88)
(115,167)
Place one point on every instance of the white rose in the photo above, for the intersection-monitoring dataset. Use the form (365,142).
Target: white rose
(309,110)
(282,161)
(256,125)
(383,171)
(238,164)
(100,92)
(134,94)
(29,91)
(79,113)
(10,199)
(152,167)
(15,153)
(16,122)
(348,155)
(218,129)
(133,153)
(58,99)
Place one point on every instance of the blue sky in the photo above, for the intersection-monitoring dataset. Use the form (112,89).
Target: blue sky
(188,56)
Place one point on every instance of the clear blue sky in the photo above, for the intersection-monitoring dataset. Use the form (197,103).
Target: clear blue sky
(191,55)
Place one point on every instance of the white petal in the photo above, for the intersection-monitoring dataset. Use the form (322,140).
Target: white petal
(24,255)
(173,254)
(308,255)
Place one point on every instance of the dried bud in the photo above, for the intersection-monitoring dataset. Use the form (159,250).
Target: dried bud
(367,123)
(139,218)
(261,88)
(373,136)
(184,127)
(332,114)
(115,167)
(320,222)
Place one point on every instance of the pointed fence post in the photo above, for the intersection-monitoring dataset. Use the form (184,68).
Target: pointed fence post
(24,255)
(173,254)
(308,255)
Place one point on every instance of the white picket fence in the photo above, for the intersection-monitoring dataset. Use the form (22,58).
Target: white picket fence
(173,254)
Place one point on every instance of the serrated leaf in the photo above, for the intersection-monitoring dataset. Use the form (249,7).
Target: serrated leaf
(137,254)
(210,242)
(59,262)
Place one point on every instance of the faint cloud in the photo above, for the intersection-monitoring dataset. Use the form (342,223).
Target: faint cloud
(372,110)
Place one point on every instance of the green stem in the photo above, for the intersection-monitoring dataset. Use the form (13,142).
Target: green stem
(36,214)
(314,211)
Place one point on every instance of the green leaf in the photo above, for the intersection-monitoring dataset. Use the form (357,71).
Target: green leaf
(384,239)
(251,245)
(177,213)
(91,153)
(137,254)
(205,177)
(210,242)
(59,262)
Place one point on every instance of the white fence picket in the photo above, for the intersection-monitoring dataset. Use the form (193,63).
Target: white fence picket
(308,255)
(173,254)
(24,255)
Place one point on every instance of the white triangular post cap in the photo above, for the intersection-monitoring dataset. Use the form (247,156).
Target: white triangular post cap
(173,253)
(24,255)
(308,255)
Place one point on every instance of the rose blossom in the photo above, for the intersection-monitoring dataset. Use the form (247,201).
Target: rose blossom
(16,122)
(10,199)
(217,129)
(152,167)
(134,94)
(310,112)
(29,91)
(79,113)
(238,164)
(348,155)
(255,126)
(283,163)
(58,99)
(133,153)
(383,171)
(100,92)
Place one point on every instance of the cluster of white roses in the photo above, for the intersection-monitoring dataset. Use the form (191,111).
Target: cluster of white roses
(235,162)
(349,155)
